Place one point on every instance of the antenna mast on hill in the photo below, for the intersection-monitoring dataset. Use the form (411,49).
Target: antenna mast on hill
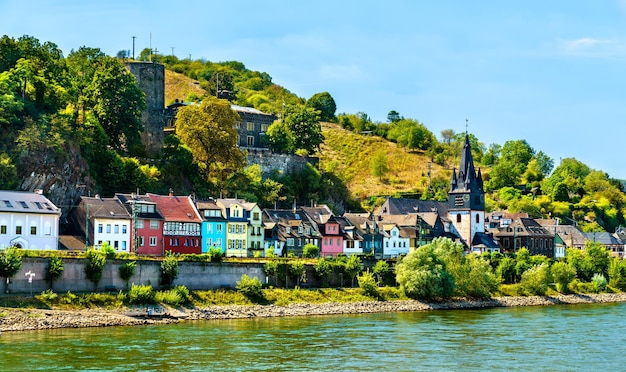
(466,124)
(134,47)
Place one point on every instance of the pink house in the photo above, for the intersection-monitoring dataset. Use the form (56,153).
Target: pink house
(331,242)
(146,225)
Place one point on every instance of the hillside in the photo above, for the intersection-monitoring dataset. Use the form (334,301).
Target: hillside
(348,155)
(179,86)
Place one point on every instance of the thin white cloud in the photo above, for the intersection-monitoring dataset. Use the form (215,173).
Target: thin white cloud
(592,47)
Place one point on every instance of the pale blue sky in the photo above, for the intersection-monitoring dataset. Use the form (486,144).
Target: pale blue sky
(550,72)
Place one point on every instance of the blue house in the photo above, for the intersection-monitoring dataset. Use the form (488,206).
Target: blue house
(213,225)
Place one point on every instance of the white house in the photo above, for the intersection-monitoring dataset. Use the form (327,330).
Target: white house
(393,243)
(28,220)
(107,220)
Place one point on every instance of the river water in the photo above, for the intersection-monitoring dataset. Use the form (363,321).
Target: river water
(555,338)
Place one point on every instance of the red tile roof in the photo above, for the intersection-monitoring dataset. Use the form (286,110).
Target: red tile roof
(176,208)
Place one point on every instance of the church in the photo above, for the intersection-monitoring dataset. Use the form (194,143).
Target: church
(461,218)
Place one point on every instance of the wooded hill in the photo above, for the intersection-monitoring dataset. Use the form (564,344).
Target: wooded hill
(71,126)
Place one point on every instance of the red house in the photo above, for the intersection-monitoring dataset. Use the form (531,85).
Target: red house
(146,224)
(182,224)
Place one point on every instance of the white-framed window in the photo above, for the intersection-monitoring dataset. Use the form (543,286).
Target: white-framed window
(218,229)
(100,227)
(139,224)
(123,245)
(116,229)
(108,228)
(124,229)
(290,241)
(141,242)
(33,230)
(154,224)
(209,228)
(250,126)
(250,140)
(153,241)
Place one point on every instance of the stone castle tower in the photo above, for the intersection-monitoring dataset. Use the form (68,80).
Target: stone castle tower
(151,78)
(466,198)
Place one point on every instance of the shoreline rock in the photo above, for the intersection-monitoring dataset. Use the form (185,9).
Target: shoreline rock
(24,319)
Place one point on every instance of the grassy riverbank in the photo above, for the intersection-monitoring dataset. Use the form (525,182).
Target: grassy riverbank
(102,309)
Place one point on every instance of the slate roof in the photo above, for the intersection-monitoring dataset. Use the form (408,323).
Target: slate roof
(104,207)
(406,206)
(571,235)
(129,199)
(26,202)
(318,214)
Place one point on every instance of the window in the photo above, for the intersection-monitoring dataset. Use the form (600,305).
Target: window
(124,229)
(350,244)
(139,224)
(108,228)
(123,245)
(154,224)
(100,228)
(290,241)
(116,244)
(477,218)
(250,126)
(33,230)
(209,228)
(153,241)
(23,204)
(264,127)
(7,204)
(255,216)
(141,242)
(458,218)
(250,141)
(3,229)
(116,229)
(218,229)
(18,230)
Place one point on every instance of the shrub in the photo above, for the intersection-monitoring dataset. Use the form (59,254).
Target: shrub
(107,250)
(298,271)
(599,283)
(563,274)
(250,287)
(54,270)
(169,270)
(323,268)
(215,254)
(141,294)
(368,284)
(126,271)
(48,296)
(617,274)
(170,297)
(381,270)
(422,275)
(94,266)
(535,281)
(183,292)
(310,251)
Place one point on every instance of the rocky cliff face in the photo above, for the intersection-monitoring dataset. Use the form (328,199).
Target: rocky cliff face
(63,178)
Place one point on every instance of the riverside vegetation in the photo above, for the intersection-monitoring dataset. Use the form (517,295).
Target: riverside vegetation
(437,275)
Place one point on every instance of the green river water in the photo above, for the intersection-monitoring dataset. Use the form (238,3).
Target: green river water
(554,338)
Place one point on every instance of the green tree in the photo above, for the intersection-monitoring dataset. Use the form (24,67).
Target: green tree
(304,123)
(297,269)
(353,267)
(10,264)
(381,270)
(323,268)
(271,269)
(368,284)
(117,102)
(512,163)
(378,165)
(250,287)
(325,104)
(127,270)
(394,116)
(94,266)
(536,280)
(54,270)
(617,274)
(310,251)
(563,274)
(209,131)
(279,137)
(169,270)
(422,275)
(506,270)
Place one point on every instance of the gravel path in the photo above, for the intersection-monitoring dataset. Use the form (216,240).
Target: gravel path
(33,319)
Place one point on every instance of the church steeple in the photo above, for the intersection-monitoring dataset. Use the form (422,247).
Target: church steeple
(466,185)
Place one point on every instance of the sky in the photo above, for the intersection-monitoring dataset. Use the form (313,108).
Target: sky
(548,72)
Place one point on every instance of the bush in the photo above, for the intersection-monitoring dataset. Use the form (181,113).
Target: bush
(169,270)
(250,287)
(323,268)
(54,270)
(422,275)
(108,251)
(368,284)
(563,274)
(48,296)
(94,266)
(126,271)
(310,251)
(535,281)
(170,297)
(298,271)
(599,283)
(141,294)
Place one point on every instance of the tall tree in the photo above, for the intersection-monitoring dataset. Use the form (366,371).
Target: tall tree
(117,103)
(304,123)
(209,131)
(279,137)
(325,104)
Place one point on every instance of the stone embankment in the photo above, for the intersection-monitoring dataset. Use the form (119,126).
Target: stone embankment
(33,319)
